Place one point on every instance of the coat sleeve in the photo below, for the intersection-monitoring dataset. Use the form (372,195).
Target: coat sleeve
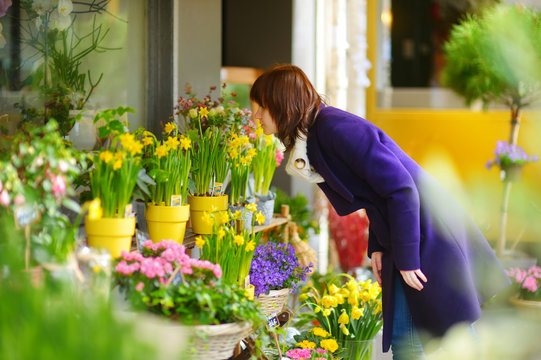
(362,149)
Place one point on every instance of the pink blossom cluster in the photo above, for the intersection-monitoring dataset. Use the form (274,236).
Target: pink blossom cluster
(528,279)
(5,198)
(160,262)
(302,354)
(279,156)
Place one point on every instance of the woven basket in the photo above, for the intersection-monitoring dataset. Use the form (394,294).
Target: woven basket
(303,251)
(219,341)
(274,302)
(528,308)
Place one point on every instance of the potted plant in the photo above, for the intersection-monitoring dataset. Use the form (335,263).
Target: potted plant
(231,245)
(168,163)
(350,313)
(274,272)
(492,57)
(164,280)
(527,287)
(316,343)
(112,181)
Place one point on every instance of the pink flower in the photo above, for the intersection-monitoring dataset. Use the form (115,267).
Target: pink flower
(139,286)
(19,199)
(321,351)
(279,156)
(4,198)
(530,284)
(58,185)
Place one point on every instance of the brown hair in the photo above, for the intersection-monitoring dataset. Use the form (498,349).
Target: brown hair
(291,99)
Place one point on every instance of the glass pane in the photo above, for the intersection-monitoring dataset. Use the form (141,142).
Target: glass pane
(89,57)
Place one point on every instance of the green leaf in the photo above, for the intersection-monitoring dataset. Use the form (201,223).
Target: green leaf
(72,205)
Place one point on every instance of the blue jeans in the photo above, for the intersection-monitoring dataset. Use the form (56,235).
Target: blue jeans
(405,342)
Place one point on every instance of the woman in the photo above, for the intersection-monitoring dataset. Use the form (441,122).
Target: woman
(433,263)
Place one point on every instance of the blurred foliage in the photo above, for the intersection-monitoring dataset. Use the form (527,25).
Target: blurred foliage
(299,211)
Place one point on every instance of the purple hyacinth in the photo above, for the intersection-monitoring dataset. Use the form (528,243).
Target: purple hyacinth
(275,266)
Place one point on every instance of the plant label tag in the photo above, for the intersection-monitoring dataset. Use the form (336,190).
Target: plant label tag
(247,281)
(176,200)
(26,215)
(217,190)
(128,211)
(272,321)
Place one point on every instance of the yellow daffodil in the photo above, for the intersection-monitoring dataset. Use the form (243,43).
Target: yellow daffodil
(170,127)
(199,241)
(95,212)
(224,217)
(233,153)
(251,207)
(250,246)
(303,298)
(252,152)
(193,113)
(353,298)
(185,142)
(207,218)
(245,160)
(317,309)
(344,292)
(147,133)
(329,345)
(344,318)
(259,131)
(260,218)
(329,301)
(239,240)
(106,156)
(320,332)
(352,285)
(147,140)
(221,233)
(172,142)
(339,298)
(237,215)
(305,344)
(345,330)
(269,139)
(162,151)
(249,292)
(203,112)
(327,312)
(117,164)
(357,313)
(333,289)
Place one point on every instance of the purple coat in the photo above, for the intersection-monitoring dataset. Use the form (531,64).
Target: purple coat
(413,221)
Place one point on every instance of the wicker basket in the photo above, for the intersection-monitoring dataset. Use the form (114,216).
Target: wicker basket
(274,302)
(528,308)
(218,341)
(303,251)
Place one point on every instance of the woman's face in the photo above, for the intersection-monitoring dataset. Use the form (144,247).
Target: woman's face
(267,122)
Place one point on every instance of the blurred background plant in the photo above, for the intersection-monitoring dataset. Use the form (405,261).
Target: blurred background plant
(494,57)
(59,51)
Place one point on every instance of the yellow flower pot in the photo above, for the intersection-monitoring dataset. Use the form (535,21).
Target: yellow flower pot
(167,222)
(201,204)
(113,234)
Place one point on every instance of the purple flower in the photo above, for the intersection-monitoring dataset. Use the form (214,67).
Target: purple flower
(275,266)
(506,155)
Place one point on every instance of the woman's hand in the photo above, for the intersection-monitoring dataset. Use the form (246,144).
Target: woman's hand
(411,277)
(376,265)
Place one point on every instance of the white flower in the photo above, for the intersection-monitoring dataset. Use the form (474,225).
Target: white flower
(65,7)
(60,22)
(2,39)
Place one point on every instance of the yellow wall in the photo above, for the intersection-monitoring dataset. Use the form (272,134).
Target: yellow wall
(454,146)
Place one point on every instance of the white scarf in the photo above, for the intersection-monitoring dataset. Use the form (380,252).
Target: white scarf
(298,164)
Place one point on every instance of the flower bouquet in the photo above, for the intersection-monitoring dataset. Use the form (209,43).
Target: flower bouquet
(113,180)
(168,163)
(274,271)
(164,280)
(510,159)
(230,245)
(315,343)
(527,284)
(350,313)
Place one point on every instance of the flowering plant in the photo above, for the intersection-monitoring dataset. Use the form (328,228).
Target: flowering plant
(114,176)
(527,282)
(275,267)
(37,174)
(349,312)
(267,158)
(507,155)
(230,245)
(164,279)
(168,163)
(315,343)
(241,152)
